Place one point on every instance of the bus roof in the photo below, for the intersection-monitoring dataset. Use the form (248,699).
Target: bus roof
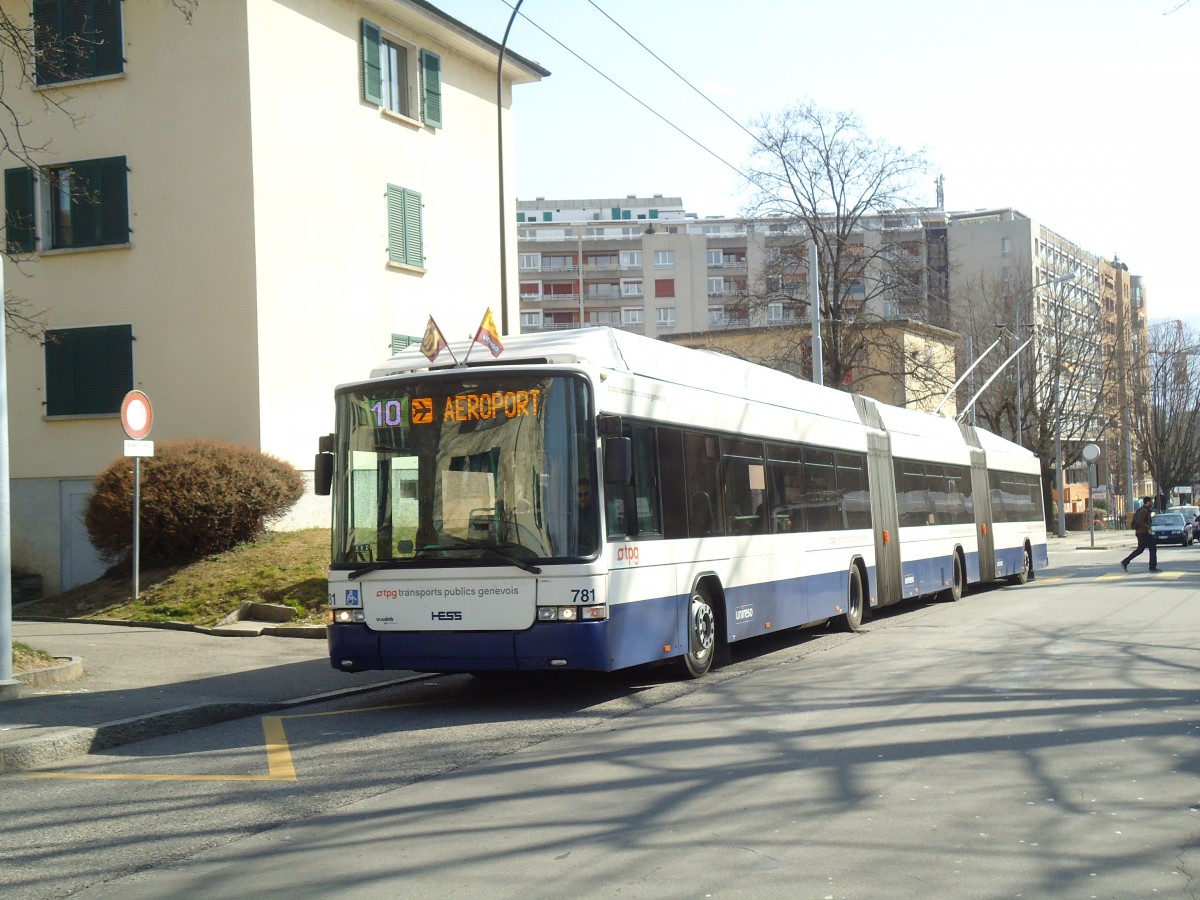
(635,354)
(615,350)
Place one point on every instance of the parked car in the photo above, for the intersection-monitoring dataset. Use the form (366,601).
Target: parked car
(1192,514)
(1171,528)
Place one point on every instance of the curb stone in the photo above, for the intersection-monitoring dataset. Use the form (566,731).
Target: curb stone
(21,756)
(69,669)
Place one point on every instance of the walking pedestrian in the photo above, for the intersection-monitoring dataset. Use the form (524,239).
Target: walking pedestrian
(1145,538)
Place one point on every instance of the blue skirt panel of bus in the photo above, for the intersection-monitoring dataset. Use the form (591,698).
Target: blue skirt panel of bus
(582,644)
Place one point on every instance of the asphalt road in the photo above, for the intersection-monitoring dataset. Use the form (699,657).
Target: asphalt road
(1038,741)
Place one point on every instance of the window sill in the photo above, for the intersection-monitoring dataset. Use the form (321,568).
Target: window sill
(75,82)
(62,251)
(405,267)
(400,117)
(73,417)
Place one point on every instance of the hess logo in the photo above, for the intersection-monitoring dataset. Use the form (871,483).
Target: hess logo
(627,554)
(446,615)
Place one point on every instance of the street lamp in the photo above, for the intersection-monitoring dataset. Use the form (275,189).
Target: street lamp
(1058,279)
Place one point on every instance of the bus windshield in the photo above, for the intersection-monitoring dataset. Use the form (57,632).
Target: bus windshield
(465,467)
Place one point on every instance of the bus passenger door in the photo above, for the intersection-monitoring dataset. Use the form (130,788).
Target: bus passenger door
(885,516)
(981,500)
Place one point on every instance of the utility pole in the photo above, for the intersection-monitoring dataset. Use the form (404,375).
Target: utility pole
(9,686)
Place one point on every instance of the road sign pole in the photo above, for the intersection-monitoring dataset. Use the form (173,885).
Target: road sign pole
(137,530)
(137,416)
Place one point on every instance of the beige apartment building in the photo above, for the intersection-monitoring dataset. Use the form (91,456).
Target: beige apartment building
(648,265)
(234,214)
(1003,260)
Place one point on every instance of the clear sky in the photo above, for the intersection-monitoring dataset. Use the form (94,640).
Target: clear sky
(1079,113)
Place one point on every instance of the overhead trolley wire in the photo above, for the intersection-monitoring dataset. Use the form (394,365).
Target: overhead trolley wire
(637,99)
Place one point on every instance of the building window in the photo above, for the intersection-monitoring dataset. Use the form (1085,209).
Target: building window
(664,259)
(1006,246)
(82,204)
(715,257)
(632,288)
(664,287)
(77,39)
(88,370)
(390,67)
(774,313)
(631,259)
(716,316)
(405,237)
(664,317)
(530,261)
(531,321)
(633,315)
(716,287)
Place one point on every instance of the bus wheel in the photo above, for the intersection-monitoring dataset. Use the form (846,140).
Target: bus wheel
(702,635)
(855,602)
(1022,577)
(955,591)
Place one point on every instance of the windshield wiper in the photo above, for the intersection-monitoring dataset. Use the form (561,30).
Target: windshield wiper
(519,563)
(371,567)
(490,551)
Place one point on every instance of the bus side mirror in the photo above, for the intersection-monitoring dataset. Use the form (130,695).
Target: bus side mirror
(323,467)
(609,425)
(618,460)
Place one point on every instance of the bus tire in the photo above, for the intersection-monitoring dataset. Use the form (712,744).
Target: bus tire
(954,593)
(1022,577)
(701,636)
(856,605)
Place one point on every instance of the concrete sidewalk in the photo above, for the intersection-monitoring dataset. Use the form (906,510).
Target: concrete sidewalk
(139,682)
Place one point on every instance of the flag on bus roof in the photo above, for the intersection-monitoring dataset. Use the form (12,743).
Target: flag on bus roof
(433,343)
(488,335)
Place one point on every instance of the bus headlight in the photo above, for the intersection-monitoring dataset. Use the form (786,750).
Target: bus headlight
(340,616)
(572,613)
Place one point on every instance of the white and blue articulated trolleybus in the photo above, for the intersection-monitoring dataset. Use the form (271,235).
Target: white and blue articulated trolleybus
(595,500)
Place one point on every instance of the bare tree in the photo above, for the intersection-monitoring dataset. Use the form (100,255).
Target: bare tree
(1166,421)
(819,174)
(1065,375)
(29,57)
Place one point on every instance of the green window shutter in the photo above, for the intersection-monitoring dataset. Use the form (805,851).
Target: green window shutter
(48,41)
(77,39)
(616,212)
(414,242)
(19,193)
(100,202)
(113,179)
(403,342)
(108,41)
(520,217)
(431,89)
(372,70)
(654,213)
(405,238)
(88,370)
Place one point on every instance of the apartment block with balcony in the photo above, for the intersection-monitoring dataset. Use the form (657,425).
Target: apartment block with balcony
(239,213)
(646,264)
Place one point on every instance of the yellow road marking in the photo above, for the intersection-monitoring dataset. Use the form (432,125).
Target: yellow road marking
(279,754)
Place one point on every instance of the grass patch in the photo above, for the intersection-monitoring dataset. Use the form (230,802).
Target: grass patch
(27,659)
(289,568)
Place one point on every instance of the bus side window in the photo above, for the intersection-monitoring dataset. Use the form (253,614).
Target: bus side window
(701,455)
(670,483)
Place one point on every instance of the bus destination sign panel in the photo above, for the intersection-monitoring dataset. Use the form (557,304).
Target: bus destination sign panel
(484,406)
